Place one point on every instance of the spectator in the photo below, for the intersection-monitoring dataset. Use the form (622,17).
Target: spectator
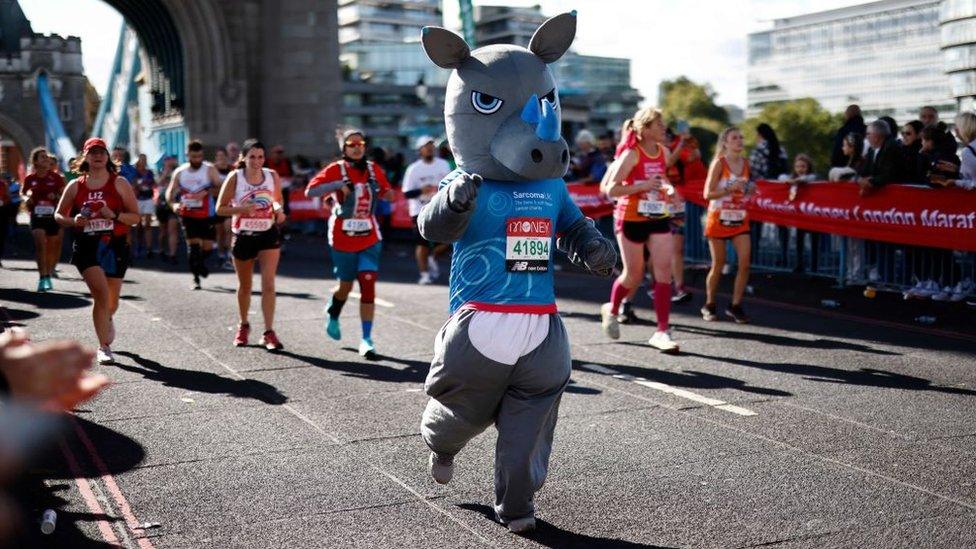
(946,143)
(802,174)
(966,130)
(853,123)
(606,145)
(278,162)
(587,165)
(851,157)
(882,163)
(768,159)
(8,211)
(911,144)
(930,156)
(233,151)
(121,158)
(892,127)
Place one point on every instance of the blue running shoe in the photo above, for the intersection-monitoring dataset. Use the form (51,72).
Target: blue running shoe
(47,283)
(332,328)
(366,348)
(41,287)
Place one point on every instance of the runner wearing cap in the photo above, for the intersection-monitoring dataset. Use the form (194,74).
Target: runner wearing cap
(419,185)
(41,191)
(355,184)
(197,183)
(100,206)
(252,196)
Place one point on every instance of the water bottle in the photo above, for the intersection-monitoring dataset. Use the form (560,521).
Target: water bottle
(830,303)
(48,521)
(925,319)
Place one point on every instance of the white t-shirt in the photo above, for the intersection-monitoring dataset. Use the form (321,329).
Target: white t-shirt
(424,176)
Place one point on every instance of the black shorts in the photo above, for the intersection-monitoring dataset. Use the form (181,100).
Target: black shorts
(218,219)
(640,231)
(111,253)
(163,213)
(45,223)
(194,228)
(247,245)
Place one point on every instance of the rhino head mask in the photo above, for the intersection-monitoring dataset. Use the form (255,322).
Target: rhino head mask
(501,109)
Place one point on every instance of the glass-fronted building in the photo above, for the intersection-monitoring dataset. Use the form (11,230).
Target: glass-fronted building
(884,56)
(388,21)
(958,34)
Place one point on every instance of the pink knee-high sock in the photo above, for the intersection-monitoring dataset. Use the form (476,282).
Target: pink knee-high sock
(662,304)
(617,294)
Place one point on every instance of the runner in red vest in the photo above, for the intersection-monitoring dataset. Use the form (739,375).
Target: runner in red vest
(726,189)
(642,218)
(41,191)
(100,206)
(355,184)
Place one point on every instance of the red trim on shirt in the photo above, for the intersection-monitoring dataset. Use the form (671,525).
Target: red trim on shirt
(511,308)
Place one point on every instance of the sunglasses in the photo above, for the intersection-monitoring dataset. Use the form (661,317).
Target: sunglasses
(356,144)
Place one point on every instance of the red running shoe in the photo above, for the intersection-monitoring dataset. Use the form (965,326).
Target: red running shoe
(243,331)
(270,341)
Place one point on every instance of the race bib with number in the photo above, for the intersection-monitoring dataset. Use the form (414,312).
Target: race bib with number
(190,203)
(652,208)
(256,224)
(732,217)
(99,225)
(527,244)
(357,226)
(44,209)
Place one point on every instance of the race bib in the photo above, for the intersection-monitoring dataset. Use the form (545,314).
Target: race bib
(652,208)
(192,203)
(256,224)
(357,227)
(44,209)
(527,244)
(99,225)
(732,217)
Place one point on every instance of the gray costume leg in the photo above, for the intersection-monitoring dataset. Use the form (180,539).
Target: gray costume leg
(469,391)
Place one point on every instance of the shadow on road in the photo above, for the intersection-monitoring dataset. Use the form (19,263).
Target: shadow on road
(415,371)
(783,341)
(201,382)
(550,535)
(32,496)
(686,378)
(45,300)
(868,377)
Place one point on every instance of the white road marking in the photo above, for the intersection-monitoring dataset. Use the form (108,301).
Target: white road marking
(376,300)
(665,388)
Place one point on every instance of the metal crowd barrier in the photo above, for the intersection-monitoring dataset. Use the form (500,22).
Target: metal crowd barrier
(848,260)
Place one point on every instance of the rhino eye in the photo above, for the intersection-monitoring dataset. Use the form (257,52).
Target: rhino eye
(484,103)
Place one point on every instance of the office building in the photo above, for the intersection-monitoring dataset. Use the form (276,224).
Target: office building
(884,56)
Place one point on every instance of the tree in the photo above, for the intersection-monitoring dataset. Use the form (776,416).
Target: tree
(684,99)
(802,125)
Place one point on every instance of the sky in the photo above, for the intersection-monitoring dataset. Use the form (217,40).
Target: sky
(704,40)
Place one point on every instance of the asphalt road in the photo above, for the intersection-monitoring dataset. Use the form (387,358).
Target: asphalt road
(803,429)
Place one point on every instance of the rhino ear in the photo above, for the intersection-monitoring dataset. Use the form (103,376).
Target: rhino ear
(554,37)
(446,49)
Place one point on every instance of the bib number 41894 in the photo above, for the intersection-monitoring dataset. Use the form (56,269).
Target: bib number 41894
(527,244)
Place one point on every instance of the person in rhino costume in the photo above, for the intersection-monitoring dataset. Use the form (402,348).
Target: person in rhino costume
(503,356)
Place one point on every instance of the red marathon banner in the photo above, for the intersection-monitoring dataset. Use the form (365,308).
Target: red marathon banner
(904,214)
(302,208)
(590,200)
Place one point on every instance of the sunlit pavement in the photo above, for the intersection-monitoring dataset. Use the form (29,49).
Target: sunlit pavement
(798,430)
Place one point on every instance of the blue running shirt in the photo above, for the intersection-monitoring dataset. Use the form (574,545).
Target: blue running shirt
(503,262)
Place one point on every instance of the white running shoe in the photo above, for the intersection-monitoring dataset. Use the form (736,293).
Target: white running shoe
(963,288)
(662,341)
(105,356)
(441,469)
(425,279)
(433,268)
(608,321)
(522,526)
(944,295)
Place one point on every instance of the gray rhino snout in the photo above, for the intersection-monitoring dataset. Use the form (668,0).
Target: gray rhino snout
(519,149)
